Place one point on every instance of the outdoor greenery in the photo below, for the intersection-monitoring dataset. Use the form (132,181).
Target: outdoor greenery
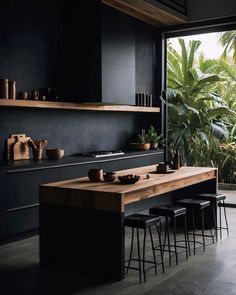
(201,97)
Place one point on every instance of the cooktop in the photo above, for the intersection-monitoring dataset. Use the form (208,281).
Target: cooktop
(100,154)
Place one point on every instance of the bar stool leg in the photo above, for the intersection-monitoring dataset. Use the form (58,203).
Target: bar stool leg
(144,244)
(215,221)
(226,220)
(176,255)
(194,238)
(220,223)
(153,251)
(139,259)
(164,242)
(131,250)
(168,239)
(160,246)
(212,235)
(186,239)
(203,237)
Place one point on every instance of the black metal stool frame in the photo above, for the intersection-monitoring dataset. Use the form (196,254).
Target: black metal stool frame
(167,234)
(226,220)
(194,234)
(142,269)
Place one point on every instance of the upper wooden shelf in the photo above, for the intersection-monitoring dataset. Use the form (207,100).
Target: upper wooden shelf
(76,106)
(149,11)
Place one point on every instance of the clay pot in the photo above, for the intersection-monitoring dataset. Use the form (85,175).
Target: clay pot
(95,174)
(136,146)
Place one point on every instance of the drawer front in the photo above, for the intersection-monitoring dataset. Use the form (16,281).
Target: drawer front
(22,220)
(23,187)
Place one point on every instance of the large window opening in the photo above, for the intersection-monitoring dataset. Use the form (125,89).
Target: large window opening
(201,95)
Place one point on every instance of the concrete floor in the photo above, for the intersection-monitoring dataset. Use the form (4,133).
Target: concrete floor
(209,272)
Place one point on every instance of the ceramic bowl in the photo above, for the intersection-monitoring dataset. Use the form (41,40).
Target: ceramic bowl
(109,176)
(129,178)
(95,174)
(55,154)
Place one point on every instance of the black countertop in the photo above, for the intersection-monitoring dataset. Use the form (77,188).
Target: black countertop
(27,165)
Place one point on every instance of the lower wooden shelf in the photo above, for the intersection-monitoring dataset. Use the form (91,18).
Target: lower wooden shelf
(76,106)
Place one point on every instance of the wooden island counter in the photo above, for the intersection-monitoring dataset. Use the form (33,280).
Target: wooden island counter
(81,222)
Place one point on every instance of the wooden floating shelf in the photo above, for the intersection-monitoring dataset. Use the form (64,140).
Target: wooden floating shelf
(149,11)
(76,106)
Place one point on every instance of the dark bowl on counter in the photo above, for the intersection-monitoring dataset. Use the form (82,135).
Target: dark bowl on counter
(128,179)
(109,176)
(55,154)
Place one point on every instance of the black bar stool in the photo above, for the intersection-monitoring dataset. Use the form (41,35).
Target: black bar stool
(216,200)
(170,211)
(192,205)
(142,221)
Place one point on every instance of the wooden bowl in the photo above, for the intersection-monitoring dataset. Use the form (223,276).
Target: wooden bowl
(54,154)
(136,146)
(109,176)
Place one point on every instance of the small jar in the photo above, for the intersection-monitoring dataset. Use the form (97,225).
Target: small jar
(35,95)
(95,174)
(12,89)
(4,88)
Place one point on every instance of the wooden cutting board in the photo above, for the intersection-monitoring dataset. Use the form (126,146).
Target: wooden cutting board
(20,151)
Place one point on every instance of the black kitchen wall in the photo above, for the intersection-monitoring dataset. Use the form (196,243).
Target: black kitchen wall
(37,51)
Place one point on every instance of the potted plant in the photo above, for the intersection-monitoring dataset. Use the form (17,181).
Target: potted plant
(142,143)
(154,138)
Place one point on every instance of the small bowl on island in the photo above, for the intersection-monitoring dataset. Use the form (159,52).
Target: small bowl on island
(109,176)
(128,179)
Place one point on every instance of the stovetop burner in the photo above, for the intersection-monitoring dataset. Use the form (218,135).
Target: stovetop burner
(100,154)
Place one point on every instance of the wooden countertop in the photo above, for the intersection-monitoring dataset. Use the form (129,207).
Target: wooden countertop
(113,196)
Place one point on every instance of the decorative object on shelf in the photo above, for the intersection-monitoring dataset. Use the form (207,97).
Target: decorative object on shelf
(142,143)
(54,153)
(4,88)
(143,98)
(154,138)
(177,160)
(95,175)
(19,151)
(42,97)
(12,89)
(23,95)
(162,167)
(37,147)
(128,179)
(35,95)
(109,176)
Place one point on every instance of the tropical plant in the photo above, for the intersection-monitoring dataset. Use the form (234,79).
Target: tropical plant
(196,111)
(142,138)
(228,41)
(153,136)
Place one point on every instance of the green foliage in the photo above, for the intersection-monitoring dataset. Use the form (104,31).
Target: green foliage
(153,136)
(202,107)
(142,138)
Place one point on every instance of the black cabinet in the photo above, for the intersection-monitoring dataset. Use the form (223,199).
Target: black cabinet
(19,198)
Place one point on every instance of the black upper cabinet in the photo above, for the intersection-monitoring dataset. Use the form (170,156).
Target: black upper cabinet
(99,54)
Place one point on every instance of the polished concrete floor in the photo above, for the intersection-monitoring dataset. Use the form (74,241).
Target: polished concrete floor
(209,272)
